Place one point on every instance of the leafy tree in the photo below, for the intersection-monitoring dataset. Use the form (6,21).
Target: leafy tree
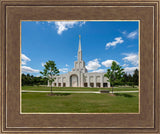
(31,80)
(125,78)
(130,78)
(115,74)
(136,76)
(50,71)
(23,79)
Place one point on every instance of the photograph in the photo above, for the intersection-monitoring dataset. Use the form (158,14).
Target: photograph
(75,66)
(80,66)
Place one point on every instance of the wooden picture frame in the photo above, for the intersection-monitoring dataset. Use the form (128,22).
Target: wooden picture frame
(147,12)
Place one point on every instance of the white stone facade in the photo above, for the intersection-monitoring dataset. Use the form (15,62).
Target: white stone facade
(79,76)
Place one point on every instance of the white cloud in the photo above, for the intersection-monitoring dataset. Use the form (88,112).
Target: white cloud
(43,64)
(38,75)
(100,71)
(67,65)
(132,58)
(108,63)
(49,22)
(63,70)
(130,70)
(37,22)
(24,59)
(132,35)
(65,25)
(62,25)
(124,32)
(26,69)
(116,41)
(82,23)
(93,65)
(124,65)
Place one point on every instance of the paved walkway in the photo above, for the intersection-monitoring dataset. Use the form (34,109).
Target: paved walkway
(78,91)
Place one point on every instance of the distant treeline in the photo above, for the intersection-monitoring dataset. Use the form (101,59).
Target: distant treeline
(129,79)
(30,80)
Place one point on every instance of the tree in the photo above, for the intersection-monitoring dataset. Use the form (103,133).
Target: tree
(50,71)
(115,74)
(135,77)
(31,80)
(125,78)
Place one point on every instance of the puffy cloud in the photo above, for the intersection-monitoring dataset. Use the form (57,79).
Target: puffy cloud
(63,70)
(26,69)
(82,23)
(130,70)
(93,65)
(124,65)
(116,41)
(24,59)
(49,22)
(67,65)
(132,58)
(38,75)
(37,22)
(124,32)
(100,71)
(62,25)
(108,63)
(43,64)
(132,35)
(65,25)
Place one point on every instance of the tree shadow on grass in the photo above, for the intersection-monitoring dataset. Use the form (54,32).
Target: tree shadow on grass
(124,95)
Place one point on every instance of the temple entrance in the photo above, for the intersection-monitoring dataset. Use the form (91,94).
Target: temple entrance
(91,84)
(74,80)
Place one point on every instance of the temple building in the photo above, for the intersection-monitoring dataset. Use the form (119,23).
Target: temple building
(79,76)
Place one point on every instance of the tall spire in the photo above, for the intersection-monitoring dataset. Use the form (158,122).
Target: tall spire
(79,43)
(79,50)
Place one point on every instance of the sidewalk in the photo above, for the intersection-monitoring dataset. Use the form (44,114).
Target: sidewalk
(77,91)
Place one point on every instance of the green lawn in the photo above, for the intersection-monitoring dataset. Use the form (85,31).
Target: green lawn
(79,103)
(43,88)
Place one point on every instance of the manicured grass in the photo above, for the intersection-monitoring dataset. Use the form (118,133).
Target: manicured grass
(80,103)
(43,88)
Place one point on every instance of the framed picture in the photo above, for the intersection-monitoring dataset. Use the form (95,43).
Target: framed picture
(80,66)
(85,73)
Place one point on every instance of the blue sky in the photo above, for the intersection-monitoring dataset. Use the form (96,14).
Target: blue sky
(102,42)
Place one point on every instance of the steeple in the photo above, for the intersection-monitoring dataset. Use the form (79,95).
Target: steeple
(79,50)
(79,43)
(79,65)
